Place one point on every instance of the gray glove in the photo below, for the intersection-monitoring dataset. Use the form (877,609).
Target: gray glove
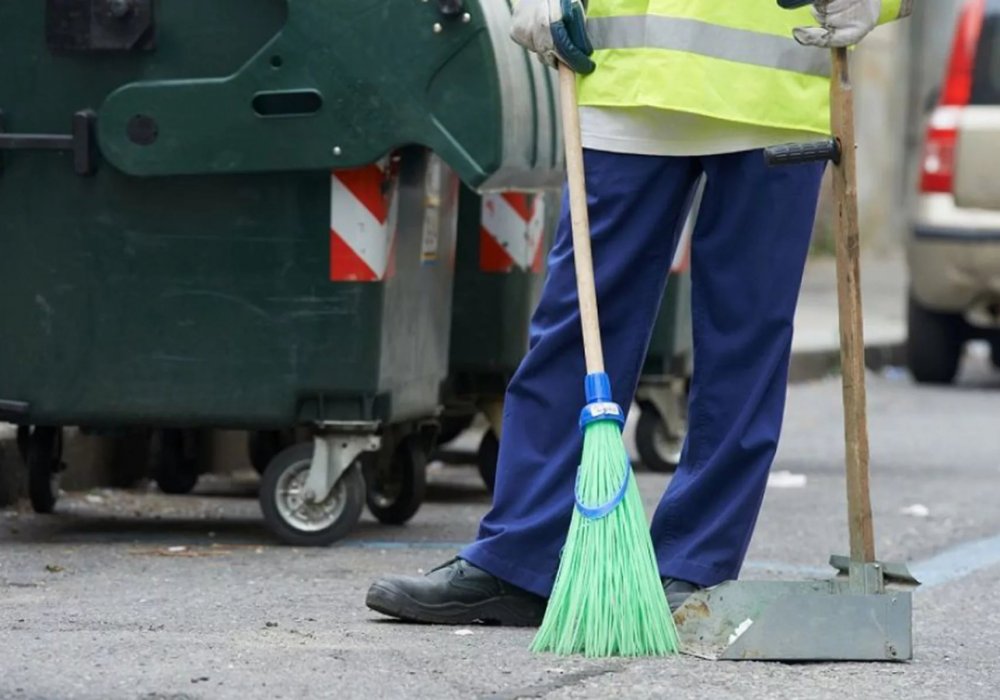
(842,22)
(556,30)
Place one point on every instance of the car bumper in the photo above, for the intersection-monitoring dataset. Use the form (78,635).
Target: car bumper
(957,271)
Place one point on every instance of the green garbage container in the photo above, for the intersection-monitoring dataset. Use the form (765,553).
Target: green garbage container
(177,254)
(663,385)
(500,266)
(662,393)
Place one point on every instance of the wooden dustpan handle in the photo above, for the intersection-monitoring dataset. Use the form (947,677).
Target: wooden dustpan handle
(852,344)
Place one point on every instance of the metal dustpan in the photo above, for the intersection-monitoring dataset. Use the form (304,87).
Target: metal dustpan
(855,616)
(867,617)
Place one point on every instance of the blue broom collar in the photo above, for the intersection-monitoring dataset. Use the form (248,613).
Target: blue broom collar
(600,405)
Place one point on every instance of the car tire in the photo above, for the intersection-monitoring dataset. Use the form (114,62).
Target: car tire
(934,344)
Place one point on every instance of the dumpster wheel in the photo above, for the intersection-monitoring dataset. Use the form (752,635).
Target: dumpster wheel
(129,460)
(264,445)
(396,487)
(23,441)
(43,455)
(176,470)
(298,522)
(658,445)
(486,459)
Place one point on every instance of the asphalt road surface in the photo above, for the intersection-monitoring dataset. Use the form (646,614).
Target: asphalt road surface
(139,595)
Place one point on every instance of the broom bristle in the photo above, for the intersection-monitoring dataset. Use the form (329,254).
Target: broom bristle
(608,599)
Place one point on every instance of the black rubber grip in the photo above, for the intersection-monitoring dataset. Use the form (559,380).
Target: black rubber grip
(794,153)
(793,4)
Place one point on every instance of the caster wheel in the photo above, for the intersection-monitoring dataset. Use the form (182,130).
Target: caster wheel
(298,522)
(486,459)
(659,448)
(44,455)
(129,460)
(264,445)
(452,426)
(23,441)
(176,468)
(396,486)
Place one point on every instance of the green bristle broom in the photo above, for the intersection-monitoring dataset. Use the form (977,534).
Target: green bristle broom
(608,599)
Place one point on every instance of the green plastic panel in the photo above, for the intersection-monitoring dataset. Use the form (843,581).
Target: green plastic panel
(670,346)
(197,300)
(208,302)
(491,310)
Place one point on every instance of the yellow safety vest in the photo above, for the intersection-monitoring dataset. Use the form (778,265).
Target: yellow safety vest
(734,60)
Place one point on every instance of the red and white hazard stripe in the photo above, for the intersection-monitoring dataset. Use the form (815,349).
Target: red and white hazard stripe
(363,211)
(682,256)
(512,233)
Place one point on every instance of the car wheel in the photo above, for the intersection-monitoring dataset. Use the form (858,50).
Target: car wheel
(934,344)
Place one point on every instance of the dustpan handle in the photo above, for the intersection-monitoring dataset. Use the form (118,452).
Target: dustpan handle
(852,344)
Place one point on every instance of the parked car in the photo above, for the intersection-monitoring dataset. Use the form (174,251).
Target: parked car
(954,249)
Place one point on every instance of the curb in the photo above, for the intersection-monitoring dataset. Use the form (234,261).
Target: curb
(810,365)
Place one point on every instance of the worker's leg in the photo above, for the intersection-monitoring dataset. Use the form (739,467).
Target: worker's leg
(636,204)
(748,253)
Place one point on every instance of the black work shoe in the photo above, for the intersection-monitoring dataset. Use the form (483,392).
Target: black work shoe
(678,591)
(456,593)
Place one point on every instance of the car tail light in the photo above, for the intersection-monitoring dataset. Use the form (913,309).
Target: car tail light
(939,150)
(938,169)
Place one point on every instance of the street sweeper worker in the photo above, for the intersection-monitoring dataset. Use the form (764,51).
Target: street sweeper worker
(673,90)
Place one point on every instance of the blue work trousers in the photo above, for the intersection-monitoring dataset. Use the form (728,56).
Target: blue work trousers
(747,256)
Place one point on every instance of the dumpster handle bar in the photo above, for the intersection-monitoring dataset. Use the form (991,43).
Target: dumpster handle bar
(81,141)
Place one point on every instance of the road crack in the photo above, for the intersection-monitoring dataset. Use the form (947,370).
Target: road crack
(563,681)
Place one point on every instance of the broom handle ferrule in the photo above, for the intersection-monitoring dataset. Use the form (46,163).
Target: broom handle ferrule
(582,258)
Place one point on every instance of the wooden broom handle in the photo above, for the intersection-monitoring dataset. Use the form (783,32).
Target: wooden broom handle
(852,345)
(582,258)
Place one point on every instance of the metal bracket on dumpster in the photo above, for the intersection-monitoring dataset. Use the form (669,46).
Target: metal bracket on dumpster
(451,8)
(669,397)
(81,142)
(333,454)
(99,25)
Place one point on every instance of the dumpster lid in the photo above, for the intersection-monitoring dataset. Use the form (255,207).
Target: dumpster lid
(343,84)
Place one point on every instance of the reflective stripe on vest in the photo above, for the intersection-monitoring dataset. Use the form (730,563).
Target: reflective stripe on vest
(703,38)
(733,61)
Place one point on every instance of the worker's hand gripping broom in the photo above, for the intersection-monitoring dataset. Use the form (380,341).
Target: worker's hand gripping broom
(608,599)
